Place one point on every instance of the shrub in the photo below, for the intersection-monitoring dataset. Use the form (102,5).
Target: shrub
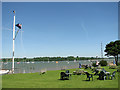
(83,66)
(113,67)
(118,63)
(94,64)
(103,63)
(118,69)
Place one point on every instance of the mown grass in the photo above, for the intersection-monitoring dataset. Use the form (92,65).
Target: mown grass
(51,80)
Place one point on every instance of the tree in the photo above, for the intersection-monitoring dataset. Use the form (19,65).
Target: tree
(113,49)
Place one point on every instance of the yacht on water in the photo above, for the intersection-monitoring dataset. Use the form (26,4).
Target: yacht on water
(2,72)
(6,63)
(32,62)
(18,62)
(74,60)
(27,62)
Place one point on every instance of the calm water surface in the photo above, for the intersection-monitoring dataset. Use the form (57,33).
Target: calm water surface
(32,67)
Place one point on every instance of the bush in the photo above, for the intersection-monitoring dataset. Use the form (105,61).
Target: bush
(118,69)
(118,63)
(113,67)
(103,63)
(94,64)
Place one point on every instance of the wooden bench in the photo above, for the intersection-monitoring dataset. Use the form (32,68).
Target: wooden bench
(78,72)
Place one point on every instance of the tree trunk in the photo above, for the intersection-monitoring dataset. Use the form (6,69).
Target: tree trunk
(116,60)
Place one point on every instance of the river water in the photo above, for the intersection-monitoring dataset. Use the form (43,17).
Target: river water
(32,67)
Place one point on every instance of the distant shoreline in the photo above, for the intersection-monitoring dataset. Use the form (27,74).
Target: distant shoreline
(32,60)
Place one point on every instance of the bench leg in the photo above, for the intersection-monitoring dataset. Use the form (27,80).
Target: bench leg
(89,79)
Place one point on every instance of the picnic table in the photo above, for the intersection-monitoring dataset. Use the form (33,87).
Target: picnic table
(70,74)
(78,72)
(99,69)
(107,75)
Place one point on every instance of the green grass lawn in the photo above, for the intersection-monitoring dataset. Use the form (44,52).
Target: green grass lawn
(51,80)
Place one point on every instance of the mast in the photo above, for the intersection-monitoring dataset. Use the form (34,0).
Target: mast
(101,51)
(48,60)
(13,42)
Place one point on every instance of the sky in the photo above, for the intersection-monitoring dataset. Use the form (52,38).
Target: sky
(59,28)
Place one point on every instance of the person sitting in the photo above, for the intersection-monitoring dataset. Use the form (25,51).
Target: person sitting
(89,76)
(104,70)
(90,66)
(97,63)
(86,66)
(96,72)
(102,75)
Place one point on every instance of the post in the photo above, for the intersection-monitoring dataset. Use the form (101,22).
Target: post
(13,42)
(119,29)
(101,51)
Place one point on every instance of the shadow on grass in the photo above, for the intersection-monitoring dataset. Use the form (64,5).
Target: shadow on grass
(63,79)
(86,80)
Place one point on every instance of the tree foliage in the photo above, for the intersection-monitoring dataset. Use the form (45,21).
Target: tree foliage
(113,49)
(103,63)
(69,58)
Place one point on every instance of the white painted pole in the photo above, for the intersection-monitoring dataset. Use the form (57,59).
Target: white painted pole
(101,51)
(13,42)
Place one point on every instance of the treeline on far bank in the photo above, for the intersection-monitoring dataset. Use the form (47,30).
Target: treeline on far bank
(69,58)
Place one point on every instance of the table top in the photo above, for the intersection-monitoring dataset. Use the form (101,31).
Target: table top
(107,72)
(99,69)
(68,73)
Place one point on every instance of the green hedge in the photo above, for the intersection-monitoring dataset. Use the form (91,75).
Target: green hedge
(103,63)
(94,64)
(113,67)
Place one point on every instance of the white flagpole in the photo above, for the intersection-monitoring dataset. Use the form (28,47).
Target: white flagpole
(13,42)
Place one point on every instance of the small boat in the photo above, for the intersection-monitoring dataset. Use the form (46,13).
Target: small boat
(28,62)
(74,60)
(32,62)
(67,62)
(56,61)
(48,60)
(18,62)
(2,72)
(6,63)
